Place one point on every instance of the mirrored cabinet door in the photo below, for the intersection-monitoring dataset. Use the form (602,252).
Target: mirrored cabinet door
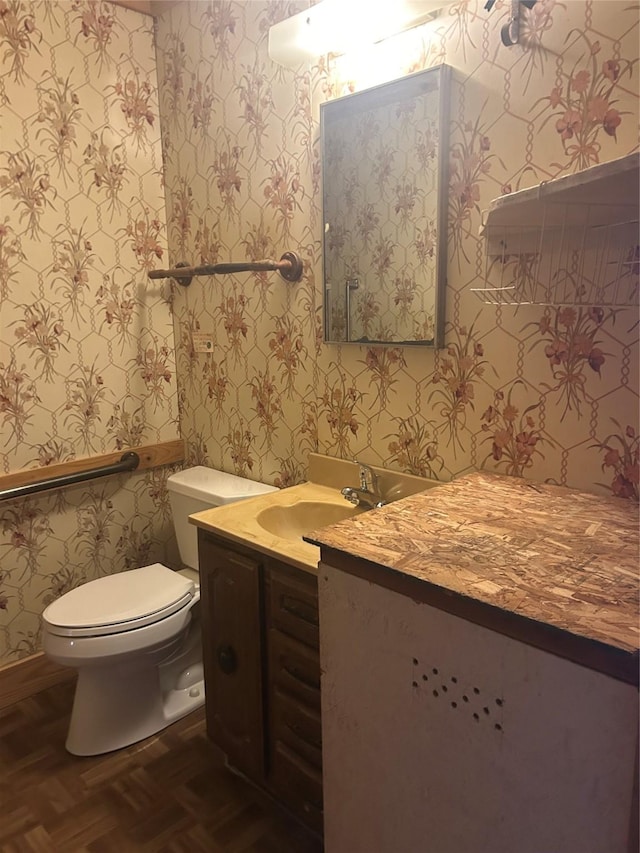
(385,177)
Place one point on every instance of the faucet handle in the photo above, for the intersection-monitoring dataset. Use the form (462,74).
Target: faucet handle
(368,477)
(351,495)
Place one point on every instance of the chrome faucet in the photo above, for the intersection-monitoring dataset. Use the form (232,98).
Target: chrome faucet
(368,494)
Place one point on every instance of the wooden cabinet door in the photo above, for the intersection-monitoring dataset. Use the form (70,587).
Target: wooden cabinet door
(231,591)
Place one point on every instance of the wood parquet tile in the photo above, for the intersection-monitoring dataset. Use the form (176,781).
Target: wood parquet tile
(168,794)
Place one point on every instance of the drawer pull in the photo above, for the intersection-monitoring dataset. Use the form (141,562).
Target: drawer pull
(227,659)
(302,677)
(300,609)
(298,732)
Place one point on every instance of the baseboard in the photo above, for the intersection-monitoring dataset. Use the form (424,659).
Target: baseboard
(30,675)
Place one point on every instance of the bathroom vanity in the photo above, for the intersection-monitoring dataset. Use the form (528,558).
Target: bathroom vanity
(479,647)
(478,644)
(259,594)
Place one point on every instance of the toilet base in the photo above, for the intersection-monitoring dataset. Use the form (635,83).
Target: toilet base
(120,704)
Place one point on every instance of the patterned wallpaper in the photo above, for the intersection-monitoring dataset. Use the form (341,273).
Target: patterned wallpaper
(86,344)
(87,360)
(550,393)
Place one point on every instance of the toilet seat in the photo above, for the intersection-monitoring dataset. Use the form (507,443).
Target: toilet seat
(120,602)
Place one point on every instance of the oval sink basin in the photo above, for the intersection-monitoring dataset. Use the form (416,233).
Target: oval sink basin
(292,522)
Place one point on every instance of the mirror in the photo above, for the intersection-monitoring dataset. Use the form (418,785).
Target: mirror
(384,197)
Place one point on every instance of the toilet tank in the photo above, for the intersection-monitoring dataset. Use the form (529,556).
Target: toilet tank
(199,488)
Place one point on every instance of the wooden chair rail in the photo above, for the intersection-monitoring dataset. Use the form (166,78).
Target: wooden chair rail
(151,456)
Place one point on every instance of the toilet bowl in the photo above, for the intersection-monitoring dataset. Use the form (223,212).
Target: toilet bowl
(134,637)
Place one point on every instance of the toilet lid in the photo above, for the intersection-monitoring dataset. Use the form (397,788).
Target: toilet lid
(120,602)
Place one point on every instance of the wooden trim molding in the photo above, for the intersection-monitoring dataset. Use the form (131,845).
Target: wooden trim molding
(151,456)
(26,677)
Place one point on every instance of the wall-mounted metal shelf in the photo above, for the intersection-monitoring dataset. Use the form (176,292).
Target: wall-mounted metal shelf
(571,241)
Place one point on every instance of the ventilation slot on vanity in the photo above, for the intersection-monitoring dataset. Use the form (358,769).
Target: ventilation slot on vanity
(458,694)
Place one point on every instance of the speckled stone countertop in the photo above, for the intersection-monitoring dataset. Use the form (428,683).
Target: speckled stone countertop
(555,567)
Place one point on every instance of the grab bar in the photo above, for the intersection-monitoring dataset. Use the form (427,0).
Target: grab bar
(289,266)
(128,462)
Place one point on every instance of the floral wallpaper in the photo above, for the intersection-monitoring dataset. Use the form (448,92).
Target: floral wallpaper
(87,358)
(549,392)
(95,148)
(380,205)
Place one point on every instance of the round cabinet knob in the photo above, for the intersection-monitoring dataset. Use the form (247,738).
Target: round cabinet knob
(227,659)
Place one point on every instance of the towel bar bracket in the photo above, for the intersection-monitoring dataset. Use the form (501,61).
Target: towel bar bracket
(293,272)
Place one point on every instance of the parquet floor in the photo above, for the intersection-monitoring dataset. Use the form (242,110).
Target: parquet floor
(170,793)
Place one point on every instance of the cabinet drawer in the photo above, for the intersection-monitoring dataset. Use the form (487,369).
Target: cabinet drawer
(294,668)
(299,784)
(294,606)
(297,726)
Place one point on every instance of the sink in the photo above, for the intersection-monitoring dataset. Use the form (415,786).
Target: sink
(276,523)
(293,521)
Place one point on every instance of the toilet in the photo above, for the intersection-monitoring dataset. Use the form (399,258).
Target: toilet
(133,636)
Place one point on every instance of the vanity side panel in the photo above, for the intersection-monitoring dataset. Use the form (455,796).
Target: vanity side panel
(440,734)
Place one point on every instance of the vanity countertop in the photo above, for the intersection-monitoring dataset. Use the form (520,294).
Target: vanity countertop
(238,522)
(554,567)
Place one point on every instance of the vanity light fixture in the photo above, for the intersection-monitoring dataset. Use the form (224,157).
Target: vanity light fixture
(510,32)
(336,26)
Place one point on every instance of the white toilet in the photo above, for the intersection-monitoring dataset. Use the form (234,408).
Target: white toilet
(132,636)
